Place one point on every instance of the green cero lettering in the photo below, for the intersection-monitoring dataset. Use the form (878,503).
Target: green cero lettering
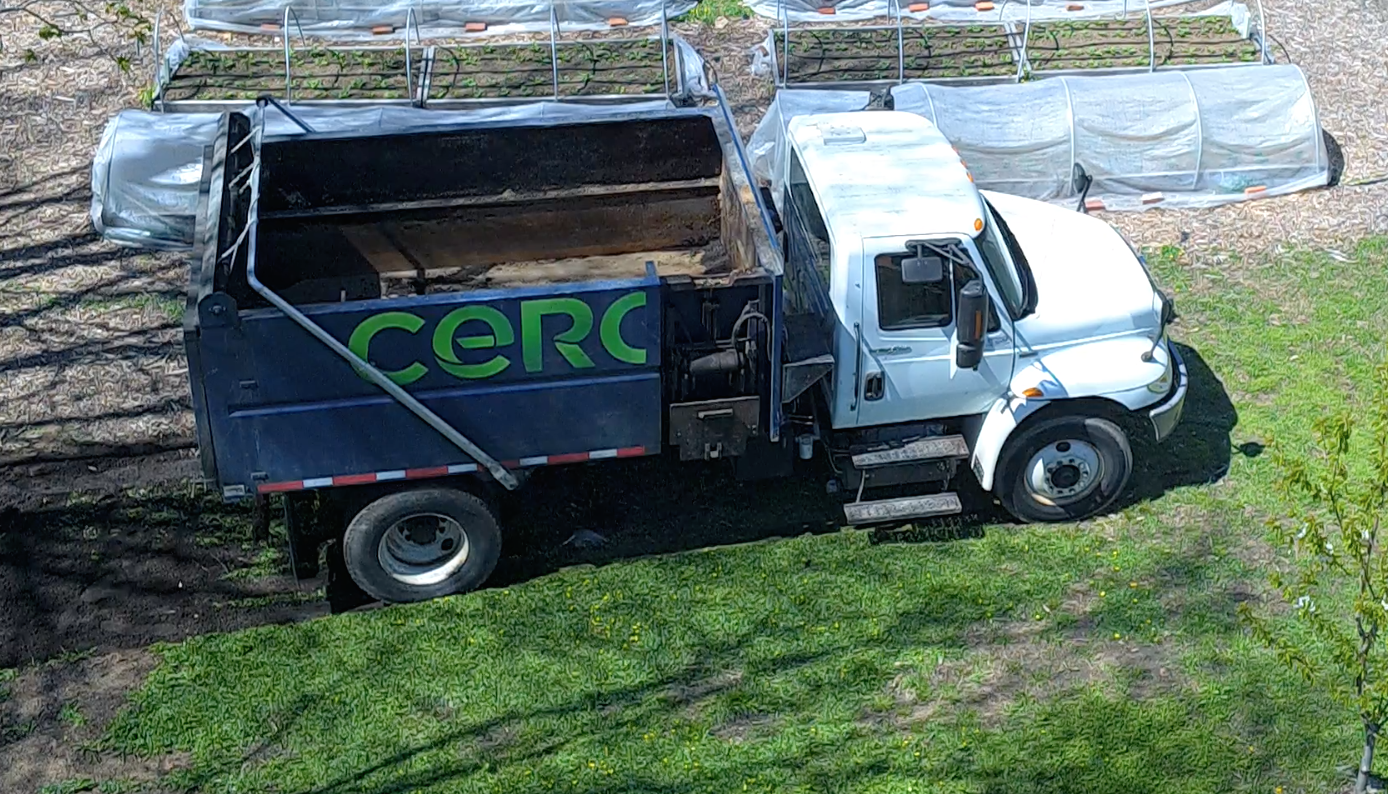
(479,327)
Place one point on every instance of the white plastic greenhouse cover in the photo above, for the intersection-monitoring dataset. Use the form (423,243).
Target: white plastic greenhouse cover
(800,11)
(1196,138)
(432,18)
(690,79)
(147,167)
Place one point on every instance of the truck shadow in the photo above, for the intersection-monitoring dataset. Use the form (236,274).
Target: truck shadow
(1200,449)
(659,506)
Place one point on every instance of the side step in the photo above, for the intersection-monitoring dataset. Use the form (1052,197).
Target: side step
(929,448)
(940,504)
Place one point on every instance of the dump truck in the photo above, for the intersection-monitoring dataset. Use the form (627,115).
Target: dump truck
(404,326)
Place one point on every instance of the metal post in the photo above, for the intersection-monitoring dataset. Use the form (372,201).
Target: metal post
(1024,51)
(664,41)
(1199,131)
(158,18)
(900,46)
(1070,117)
(409,66)
(554,48)
(1265,55)
(1151,39)
(781,80)
(266,99)
(288,12)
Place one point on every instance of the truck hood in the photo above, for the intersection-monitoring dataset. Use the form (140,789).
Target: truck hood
(1088,282)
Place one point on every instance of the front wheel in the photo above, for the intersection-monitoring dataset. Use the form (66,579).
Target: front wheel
(421,544)
(1064,469)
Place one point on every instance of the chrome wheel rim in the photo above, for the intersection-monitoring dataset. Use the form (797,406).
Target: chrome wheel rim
(423,549)
(1064,472)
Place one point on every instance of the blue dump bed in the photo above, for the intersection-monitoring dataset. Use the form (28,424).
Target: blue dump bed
(539,288)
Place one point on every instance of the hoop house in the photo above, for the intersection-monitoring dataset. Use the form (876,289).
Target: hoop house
(991,47)
(1192,138)
(199,75)
(1184,139)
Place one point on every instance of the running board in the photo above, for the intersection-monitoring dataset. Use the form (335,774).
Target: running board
(929,448)
(940,504)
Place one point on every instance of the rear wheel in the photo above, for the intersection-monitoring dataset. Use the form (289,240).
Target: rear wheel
(1065,468)
(421,544)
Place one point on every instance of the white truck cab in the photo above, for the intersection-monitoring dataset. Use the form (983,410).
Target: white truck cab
(967,325)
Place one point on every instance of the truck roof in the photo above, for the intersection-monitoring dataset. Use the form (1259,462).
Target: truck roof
(886,174)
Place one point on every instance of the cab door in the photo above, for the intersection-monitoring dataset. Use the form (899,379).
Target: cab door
(908,334)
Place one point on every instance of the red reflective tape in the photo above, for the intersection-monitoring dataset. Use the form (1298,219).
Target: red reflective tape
(442,471)
(575,457)
(280,487)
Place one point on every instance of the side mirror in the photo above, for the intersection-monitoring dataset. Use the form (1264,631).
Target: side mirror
(1080,180)
(971,325)
(922,270)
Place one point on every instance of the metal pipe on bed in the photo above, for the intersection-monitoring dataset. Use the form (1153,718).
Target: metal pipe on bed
(499,472)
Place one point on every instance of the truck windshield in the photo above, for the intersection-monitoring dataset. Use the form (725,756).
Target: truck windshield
(1007,269)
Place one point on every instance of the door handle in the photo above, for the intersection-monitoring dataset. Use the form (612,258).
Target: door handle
(873,387)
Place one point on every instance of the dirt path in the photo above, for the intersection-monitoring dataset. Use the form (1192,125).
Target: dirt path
(48,714)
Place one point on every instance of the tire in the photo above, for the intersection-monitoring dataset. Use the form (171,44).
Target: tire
(450,546)
(1047,471)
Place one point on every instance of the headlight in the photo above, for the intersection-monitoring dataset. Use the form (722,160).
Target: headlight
(1162,385)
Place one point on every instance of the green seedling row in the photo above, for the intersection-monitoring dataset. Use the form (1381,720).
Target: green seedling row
(476,72)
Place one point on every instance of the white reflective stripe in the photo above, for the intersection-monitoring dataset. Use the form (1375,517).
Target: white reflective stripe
(390,475)
(319,482)
(603,454)
(462,468)
(538,460)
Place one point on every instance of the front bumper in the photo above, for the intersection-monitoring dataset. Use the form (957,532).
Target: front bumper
(1167,413)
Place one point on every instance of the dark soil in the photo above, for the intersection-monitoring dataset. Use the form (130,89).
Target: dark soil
(315,74)
(585,68)
(927,53)
(1112,44)
(110,572)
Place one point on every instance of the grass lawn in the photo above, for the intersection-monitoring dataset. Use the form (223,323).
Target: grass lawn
(1103,657)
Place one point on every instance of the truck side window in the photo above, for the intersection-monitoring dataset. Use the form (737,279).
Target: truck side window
(902,306)
(812,220)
